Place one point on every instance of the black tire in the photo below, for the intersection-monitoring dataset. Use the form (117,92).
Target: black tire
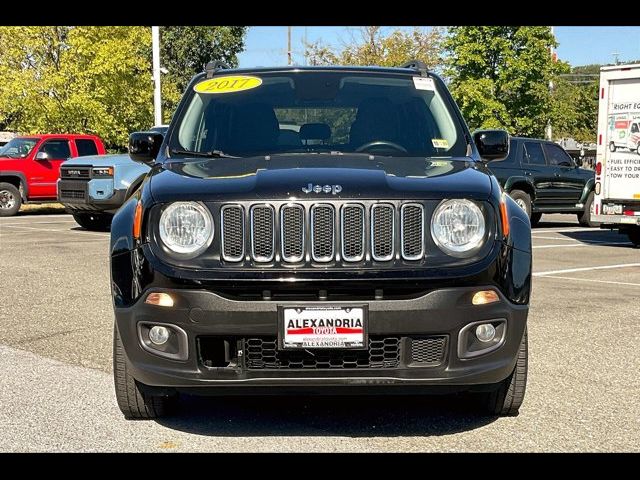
(535,218)
(506,399)
(638,148)
(97,222)
(133,397)
(612,147)
(634,235)
(10,200)
(522,199)
(584,217)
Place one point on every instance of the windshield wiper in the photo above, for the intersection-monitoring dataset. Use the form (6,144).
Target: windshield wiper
(209,154)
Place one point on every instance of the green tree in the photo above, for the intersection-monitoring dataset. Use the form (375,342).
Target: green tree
(500,76)
(372,46)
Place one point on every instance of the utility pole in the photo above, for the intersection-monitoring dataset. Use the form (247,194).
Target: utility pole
(157,97)
(289,60)
(549,132)
(615,57)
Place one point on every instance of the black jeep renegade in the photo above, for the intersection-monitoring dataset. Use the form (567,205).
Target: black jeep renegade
(319,230)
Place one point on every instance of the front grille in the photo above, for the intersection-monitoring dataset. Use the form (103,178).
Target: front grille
(77,194)
(428,351)
(232,223)
(262,233)
(292,226)
(412,231)
(322,232)
(261,353)
(352,223)
(75,173)
(382,232)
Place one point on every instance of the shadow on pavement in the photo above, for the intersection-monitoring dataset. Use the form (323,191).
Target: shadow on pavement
(353,416)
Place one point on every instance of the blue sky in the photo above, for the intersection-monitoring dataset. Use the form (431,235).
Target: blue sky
(266,46)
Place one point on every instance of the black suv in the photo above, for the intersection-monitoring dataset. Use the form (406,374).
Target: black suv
(542,178)
(319,229)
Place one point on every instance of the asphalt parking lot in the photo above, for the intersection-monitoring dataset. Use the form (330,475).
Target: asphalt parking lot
(56,391)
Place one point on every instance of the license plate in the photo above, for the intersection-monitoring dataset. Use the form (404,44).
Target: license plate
(612,209)
(324,327)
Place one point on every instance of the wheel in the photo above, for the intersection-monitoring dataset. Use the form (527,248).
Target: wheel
(523,200)
(99,222)
(132,396)
(10,200)
(507,397)
(638,149)
(535,219)
(634,235)
(612,147)
(584,217)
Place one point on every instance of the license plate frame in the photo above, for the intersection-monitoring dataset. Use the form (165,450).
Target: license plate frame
(288,345)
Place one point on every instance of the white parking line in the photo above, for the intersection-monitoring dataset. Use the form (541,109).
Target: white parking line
(569,229)
(554,238)
(57,231)
(582,244)
(592,280)
(29,217)
(37,223)
(584,269)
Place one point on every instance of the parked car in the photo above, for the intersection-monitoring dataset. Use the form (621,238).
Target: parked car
(542,178)
(376,255)
(93,188)
(30,166)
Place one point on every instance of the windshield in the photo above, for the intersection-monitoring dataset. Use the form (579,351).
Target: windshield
(318,112)
(18,147)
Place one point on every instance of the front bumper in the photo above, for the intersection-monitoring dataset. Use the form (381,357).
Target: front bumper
(621,220)
(90,196)
(201,313)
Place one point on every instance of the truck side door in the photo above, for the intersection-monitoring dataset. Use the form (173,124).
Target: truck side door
(567,183)
(535,166)
(46,169)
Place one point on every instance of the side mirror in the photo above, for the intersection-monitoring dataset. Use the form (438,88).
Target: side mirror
(144,146)
(492,144)
(42,156)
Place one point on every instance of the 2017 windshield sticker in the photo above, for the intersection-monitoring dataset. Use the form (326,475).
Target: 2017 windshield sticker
(424,83)
(440,143)
(228,84)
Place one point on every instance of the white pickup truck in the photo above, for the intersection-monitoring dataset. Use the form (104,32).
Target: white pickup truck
(617,183)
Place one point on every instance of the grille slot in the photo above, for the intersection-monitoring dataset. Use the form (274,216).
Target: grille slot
(412,231)
(428,351)
(77,172)
(352,222)
(232,226)
(262,233)
(322,232)
(262,354)
(292,232)
(382,232)
(79,194)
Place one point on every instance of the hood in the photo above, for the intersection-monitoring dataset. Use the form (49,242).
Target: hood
(100,160)
(294,176)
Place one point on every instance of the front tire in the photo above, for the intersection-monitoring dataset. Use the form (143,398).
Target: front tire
(506,399)
(585,217)
(634,235)
(97,222)
(133,398)
(523,200)
(10,200)
(612,147)
(535,219)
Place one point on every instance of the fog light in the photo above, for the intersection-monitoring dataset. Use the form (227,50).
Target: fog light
(484,297)
(160,299)
(160,335)
(485,332)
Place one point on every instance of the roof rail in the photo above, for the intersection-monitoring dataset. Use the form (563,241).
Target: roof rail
(211,67)
(416,65)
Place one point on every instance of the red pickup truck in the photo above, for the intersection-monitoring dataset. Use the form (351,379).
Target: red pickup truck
(30,166)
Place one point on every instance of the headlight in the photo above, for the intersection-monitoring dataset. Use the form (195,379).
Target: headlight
(103,172)
(457,227)
(186,228)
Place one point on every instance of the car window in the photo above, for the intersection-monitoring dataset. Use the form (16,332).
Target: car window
(86,147)
(634,128)
(533,154)
(56,149)
(18,147)
(556,156)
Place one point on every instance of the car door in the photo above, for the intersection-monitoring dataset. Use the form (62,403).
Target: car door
(568,183)
(46,167)
(542,176)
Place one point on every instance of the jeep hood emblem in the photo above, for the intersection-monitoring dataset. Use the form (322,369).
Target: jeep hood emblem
(333,189)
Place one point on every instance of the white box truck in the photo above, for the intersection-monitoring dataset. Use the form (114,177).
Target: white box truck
(617,183)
